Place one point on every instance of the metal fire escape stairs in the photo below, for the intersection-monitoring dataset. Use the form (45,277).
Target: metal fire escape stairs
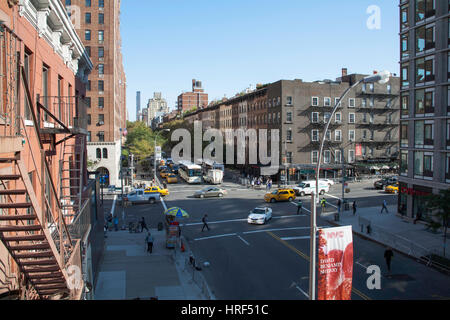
(37,239)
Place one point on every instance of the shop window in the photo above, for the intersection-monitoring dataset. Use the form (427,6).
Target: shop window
(404,162)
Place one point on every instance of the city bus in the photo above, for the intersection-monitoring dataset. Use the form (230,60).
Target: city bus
(190,172)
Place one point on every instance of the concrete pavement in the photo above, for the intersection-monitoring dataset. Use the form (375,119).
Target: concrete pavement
(128,272)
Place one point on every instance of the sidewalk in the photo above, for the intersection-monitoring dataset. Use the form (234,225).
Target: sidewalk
(128,272)
(391,229)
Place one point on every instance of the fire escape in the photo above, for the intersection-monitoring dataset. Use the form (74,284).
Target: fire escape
(39,221)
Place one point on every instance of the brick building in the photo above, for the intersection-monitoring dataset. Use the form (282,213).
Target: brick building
(195,99)
(98,25)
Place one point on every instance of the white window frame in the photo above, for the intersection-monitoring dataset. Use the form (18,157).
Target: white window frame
(350,118)
(312,135)
(327,153)
(336,159)
(336,120)
(338,102)
(336,135)
(317,101)
(314,154)
(351,102)
(325,99)
(351,156)
(312,117)
(350,133)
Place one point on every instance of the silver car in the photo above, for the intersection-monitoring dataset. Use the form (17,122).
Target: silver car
(210,192)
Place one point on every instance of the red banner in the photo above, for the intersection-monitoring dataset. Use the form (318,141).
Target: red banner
(358,150)
(335,263)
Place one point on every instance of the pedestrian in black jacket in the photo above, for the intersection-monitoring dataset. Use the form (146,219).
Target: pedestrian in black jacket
(205,223)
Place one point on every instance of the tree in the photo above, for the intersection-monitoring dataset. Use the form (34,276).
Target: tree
(439,205)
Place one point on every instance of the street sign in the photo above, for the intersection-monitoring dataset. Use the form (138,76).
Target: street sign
(158,153)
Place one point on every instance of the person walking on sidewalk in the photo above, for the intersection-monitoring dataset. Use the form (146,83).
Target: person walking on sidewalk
(143,225)
(299,207)
(205,222)
(388,254)
(384,207)
(339,206)
(149,240)
(116,224)
(354,207)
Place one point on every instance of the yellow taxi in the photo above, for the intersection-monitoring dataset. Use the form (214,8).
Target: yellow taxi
(393,188)
(164,173)
(162,192)
(171,178)
(280,195)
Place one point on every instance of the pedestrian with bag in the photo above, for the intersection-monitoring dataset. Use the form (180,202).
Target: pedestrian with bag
(205,222)
(149,240)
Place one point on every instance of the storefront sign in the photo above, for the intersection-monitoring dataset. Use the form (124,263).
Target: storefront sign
(335,263)
(413,192)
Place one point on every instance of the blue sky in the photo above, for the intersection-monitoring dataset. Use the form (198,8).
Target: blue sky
(231,44)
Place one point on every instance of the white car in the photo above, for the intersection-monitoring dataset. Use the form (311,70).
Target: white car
(259,215)
(329,181)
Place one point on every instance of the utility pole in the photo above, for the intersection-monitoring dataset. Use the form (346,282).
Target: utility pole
(343,174)
(132,170)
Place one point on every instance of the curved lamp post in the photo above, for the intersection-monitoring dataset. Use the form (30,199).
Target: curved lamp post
(154,158)
(382,77)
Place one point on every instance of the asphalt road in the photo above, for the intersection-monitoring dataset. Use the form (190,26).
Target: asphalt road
(250,262)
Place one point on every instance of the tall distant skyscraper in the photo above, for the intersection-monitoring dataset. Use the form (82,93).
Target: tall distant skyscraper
(138,106)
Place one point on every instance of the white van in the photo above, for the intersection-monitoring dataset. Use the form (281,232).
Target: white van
(306,187)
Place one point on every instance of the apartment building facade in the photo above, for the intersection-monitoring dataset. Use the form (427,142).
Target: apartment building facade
(364,132)
(98,25)
(48,208)
(195,99)
(425,103)
(156,107)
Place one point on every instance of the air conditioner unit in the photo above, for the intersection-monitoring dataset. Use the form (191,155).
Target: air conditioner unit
(101,123)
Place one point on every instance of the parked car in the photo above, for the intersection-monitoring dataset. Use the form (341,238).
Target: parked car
(307,187)
(210,192)
(162,192)
(280,195)
(172,178)
(140,195)
(381,184)
(259,215)
(393,188)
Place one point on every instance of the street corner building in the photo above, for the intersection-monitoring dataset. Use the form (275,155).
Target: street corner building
(363,134)
(49,216)
(425,104)
(97,24)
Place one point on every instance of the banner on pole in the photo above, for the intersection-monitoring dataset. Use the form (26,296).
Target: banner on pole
(335,263)
(358,150)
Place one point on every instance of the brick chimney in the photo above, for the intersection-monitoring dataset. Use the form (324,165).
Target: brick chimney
(344,72)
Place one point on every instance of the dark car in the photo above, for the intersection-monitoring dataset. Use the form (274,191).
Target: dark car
(381,184)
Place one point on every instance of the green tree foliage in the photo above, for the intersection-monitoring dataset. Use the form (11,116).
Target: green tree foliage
(439,205)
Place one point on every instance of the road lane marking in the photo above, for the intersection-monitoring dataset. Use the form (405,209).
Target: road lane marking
(244,240)
(280,229)
(215,237)
(234,220)
(359,293)
(295,238)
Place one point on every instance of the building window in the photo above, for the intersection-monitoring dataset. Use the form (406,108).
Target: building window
(289,101)
(101,85)
(405,46)
(424,9)
(101,102)
(314,117)
(425,38)
(101,119)
(351,135)
(424,133)
(351,118)
(315,135)
(289,135)
(101,52)
(338,135)
(364,102)
(423,164)
(87,18)
(424,70)
(89,119)
(315,101)
(404,133)
(429,102)
(420,102)
(105,153)
(337,156)
(337,102)
(351,103)
(89,137)
(372,102)
(101,36)
(289,117)
(404,162)
(404,17)
(99,153)
(351,156)
(88,85)
(88,3)
(405,75)
(101,69)
(88,101)
(289,157)
(405,105)
(338,117)
(101,136)
(101,3)
(101,18)
(87,35)
(327,156)
(314,157)
(371,87)
(326,117)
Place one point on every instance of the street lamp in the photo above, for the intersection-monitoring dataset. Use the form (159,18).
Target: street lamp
(154,155)
(381,78)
